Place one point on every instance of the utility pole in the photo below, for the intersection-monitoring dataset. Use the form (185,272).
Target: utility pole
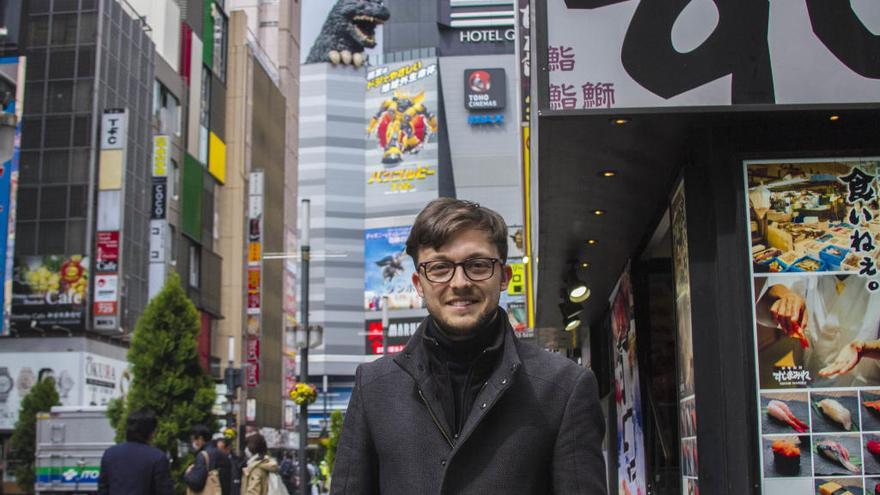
(304,351)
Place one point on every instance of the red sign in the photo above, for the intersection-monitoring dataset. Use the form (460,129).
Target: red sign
(104,308)
(254,302)
(253,280)
(253,350)
(253,374)
(107,255)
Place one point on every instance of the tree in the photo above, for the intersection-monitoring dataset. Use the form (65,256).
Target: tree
(166,374)
(41,398)
(333,441)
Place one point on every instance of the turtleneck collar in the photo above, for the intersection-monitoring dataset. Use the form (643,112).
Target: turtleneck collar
(464,349)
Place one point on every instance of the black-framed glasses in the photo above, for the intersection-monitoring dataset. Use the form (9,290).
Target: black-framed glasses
(475,269)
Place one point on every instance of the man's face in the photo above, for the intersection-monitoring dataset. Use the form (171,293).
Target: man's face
(197,442)
(461,305)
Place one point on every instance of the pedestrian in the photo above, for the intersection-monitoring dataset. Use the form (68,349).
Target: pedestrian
(210,471)
(287,470)
(224,445)
(255,479)
(467,407)
(135,467)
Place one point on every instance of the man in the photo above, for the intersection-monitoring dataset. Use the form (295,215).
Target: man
(135,467)
(466,408)
(196,475)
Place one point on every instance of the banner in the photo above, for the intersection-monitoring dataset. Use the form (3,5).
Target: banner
(50,291)
(631,474)
(388,270)
(402,127)
(606,54)
(687,410)
(10,70)
(254,280)
(399,332)
(814,232)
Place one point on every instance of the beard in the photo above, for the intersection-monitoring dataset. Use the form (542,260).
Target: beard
(462,330)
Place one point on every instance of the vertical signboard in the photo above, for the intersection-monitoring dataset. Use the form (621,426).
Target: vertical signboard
(402,126)
(631,474)
(158,213)
(254,283)
(687,411)
(814,238)
(11,72)
(388,270)
(111,180)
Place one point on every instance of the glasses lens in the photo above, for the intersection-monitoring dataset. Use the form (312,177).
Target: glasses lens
(439,271)
(479,269)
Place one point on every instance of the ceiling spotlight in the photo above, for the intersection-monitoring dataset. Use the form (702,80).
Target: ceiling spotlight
(592,242)
(598,212)
(834,118)
(577,291)
(620,121)
(572,323)
(569,309)
(607,173)
(585,265)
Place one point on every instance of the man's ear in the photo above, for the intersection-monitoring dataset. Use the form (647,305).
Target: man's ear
(506,275)
(417,283)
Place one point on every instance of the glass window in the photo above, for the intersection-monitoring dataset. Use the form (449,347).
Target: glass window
(36,65)
(57,132)
(205,115)
(79,165)
(26,203)
(60,97)
(194,262)
(78,204)
(55,167)
(61,64)
(173,174)
(64,29)
(221,27)
(172,237)
(38,31)
(29,167)
(53,202)
(25,238)
(33,102)
(65,5)
(82,129)
(38,6)
(88,28)
(76,236)
(85,65)
(31,132)
(82,100)
(51,237)
(166,110)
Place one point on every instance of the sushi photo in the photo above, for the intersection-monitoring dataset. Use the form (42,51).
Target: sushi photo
(835,411)
(871,453)
(869,401)
(785,412)
(787,456)
(837,455)
(840,486)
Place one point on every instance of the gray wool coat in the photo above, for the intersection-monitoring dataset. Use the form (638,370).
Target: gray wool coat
(536,428)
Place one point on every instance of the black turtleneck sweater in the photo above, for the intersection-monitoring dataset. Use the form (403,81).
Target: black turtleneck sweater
(461,366)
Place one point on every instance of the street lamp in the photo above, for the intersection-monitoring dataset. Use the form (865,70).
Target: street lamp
(304,352)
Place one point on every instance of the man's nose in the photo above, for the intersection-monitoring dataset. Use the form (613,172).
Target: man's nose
(459,279)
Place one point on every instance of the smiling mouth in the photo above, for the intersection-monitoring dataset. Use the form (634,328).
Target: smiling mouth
(461,303)
(365,27)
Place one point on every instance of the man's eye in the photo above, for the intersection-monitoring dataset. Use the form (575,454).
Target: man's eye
(439,267)
(479,265)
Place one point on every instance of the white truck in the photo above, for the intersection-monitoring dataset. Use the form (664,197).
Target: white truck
(70,443)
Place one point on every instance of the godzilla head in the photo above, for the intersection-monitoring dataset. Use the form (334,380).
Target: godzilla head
(361,18)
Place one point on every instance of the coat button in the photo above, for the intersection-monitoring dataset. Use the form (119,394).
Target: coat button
(484,405)
(455,436)
(504,381)
(443,462)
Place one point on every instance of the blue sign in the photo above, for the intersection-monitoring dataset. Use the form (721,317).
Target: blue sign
(8,189)
(486,119)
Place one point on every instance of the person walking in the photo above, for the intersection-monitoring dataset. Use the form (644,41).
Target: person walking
(255,479)
(135,467)
(288,472)
(210,469)
(466,407)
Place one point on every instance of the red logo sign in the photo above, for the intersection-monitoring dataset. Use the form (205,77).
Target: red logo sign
(253,350)
(104,308)
(107,255)
(253,374)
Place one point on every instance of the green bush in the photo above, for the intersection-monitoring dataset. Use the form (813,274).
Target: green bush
(41,398)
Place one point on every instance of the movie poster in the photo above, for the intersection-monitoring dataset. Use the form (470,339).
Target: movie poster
(814,231)
(631,474)
(388,270)
(687,410)
(402,126)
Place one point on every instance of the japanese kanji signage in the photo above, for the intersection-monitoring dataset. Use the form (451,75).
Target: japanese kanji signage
(604,54)
(814,231)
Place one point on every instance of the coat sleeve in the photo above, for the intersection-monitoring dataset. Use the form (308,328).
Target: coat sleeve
(578,462)
(355,471)
(104,476)
(162,484)
(196,477)
(257,479)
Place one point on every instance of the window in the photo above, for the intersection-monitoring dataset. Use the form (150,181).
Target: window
(194,264)
(166,110)
(172,237)
(64,29)
(173,174)
(60,96)
(221,27)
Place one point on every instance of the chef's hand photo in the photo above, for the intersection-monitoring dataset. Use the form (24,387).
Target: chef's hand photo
(849,357)
(789,310)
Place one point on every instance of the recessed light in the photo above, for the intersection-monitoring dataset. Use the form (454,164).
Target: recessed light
(607,173)
(834,118)
(585,265)
(598,212)
(592,242)
(620,121)
(578,292)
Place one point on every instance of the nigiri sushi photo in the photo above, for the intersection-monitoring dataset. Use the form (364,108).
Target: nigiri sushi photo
(787,456)
(785,413)
(837,455)
(835,412)
(869,401)
(871,454)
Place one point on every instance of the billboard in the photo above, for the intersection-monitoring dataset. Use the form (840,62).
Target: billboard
(631,471)
(50,291)
(814,239)
(81,379)
(402,127)
(399,332)
(485,89)
(610,54)
(388,270)
(11,93)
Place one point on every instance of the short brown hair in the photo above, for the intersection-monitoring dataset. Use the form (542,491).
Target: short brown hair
(256,444)
(444,217)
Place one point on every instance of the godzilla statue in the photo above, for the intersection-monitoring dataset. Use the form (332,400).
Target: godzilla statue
(350,27)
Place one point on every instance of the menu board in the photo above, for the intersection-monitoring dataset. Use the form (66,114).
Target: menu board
(687,409)
(814,232)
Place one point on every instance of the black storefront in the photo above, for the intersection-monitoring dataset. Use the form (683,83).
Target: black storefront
(710,155)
